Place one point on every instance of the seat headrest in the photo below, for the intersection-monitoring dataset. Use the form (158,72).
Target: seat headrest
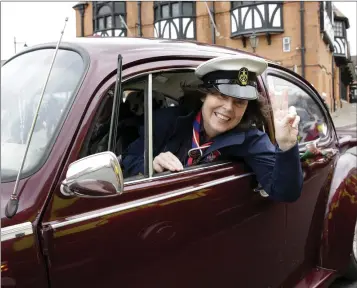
(135,100)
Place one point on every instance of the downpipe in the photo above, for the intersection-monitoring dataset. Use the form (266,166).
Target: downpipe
(302,37)
(140,34)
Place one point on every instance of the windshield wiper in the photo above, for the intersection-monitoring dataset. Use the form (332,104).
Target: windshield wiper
(13,203)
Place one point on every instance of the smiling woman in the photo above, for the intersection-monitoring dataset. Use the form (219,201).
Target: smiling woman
(211,130)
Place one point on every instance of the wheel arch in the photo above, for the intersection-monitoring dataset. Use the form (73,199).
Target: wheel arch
(340,215)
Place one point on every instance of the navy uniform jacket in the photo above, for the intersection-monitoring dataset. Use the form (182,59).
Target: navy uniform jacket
(278,172)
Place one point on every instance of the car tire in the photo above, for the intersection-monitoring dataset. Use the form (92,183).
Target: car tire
(351,272)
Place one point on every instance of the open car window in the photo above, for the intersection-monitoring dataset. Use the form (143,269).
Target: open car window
(132,111)
(166,89)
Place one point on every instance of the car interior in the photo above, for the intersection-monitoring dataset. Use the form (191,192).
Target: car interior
(167,91)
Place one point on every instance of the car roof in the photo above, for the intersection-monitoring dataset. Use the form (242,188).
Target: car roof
(139,48)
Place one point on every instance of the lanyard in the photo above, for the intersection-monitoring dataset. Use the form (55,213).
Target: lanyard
(196,152)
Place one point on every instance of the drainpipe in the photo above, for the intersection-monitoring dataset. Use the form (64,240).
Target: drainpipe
(81,8)
(333,86)
(139,19)
(82,20)
(302,36)
(213,30)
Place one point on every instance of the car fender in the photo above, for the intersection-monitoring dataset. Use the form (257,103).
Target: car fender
(340,215)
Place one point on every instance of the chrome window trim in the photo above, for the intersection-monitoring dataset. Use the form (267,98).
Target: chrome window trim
(16,231)
(142,202)
(150,148)
(175,174)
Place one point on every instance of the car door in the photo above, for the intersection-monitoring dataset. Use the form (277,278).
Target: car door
(305,217)
(202,227)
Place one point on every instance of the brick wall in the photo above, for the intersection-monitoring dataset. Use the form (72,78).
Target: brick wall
(318,58)
(78,24)
(88,21)
(132,17)
(147,18)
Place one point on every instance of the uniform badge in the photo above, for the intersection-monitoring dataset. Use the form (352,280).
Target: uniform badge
(243,76)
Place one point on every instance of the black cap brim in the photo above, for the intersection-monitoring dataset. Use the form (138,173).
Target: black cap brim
(241,92)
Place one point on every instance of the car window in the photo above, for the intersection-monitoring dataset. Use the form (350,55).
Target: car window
(312,124)
(131,117)
(22,80)
(166,93)
(169,89)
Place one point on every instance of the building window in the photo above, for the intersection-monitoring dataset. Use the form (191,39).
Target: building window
(108,18)
(338,28)
(236,4)
(329,10)
(256,16)
(175,20)
(286,44)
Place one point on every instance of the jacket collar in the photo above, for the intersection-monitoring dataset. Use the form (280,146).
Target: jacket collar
(230,138)
(184,126)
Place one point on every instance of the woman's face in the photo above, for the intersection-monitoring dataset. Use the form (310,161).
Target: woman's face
(221,113)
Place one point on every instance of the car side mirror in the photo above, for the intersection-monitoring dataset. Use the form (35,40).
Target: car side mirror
(94,176)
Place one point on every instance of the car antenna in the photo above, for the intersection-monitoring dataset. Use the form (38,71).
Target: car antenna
(13,203)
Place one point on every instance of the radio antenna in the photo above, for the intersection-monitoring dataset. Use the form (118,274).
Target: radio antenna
(13,203)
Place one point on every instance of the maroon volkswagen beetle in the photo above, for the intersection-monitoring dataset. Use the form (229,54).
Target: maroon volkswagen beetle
(70,217)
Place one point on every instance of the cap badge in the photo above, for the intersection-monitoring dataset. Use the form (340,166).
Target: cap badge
(243,76)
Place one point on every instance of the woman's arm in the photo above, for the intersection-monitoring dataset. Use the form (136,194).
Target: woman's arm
(279,172)
(133,157)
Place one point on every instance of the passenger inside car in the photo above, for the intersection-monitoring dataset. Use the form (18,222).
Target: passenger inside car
(225,127)
(131,118)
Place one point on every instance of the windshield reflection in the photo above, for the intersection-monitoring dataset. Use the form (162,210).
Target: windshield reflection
(22,81)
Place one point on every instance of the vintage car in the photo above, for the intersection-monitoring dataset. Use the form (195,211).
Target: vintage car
(80,222)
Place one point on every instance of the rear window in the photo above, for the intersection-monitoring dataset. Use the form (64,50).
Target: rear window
(22,82)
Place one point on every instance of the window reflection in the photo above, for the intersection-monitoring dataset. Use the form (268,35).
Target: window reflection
(174,20)
(109,22)
(312,121)
(106,18)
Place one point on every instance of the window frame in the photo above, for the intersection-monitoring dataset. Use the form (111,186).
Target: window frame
(137,71)
(341,25)
(66,112)
(113,14)
(167,174)
(291,78)
(289,43)
(159,4)
(148,165)
(238,4)
(181,33)
(276,71)
(238,22)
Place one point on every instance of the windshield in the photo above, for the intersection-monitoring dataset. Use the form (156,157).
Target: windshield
(22,81)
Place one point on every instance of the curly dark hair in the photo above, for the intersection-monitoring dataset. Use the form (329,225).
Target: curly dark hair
(255,115)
